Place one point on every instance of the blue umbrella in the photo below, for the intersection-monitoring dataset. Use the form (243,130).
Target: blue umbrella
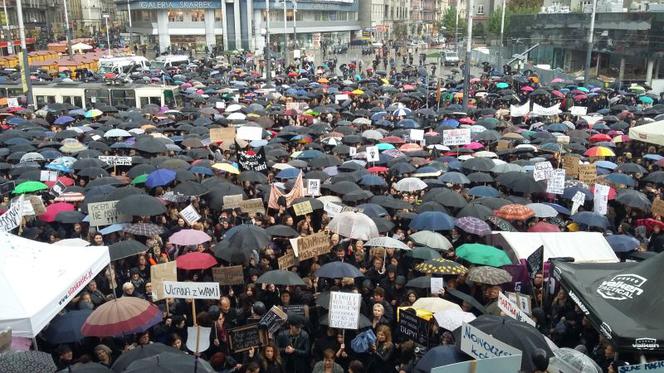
(483,191)
(66,328)
(379,115)
(372,180)
(373,210)
(623,179)
(17,141)
(622,243)
(408,123)
(288,173)
(569,193)
(432,221)
(591,219)
(160,177)
(606,164)
(201,170)
(17,121)
(450,123)
(338,270)
(65,119)
(561,209)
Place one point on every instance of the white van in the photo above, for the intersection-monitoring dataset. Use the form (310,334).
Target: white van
(123,65)
(171,60)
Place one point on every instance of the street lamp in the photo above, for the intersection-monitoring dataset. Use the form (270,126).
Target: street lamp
(67,31)
(589,51)
(108,36)
(285,35)
(294,24)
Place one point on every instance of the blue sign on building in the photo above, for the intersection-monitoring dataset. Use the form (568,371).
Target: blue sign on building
(178,4)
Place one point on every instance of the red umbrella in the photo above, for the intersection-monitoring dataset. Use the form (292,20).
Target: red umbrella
(393,140)
(599,137)
(121,316)
(378,169)
(650,223)
(67,181)
(515,212)
(543,227)
(558,94)
(195,260)
(54,209)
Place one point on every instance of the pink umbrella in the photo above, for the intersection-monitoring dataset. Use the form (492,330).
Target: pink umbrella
(527,88)
(189,237)
(54,209)
(195,260)
(474,146)
(557,80)
(466,120)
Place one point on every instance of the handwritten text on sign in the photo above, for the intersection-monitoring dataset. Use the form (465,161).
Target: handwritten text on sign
(192,290)
(105,213)
(480,345)
(653,366)
(512,310)
(313,245)
(344,310)
(460,136)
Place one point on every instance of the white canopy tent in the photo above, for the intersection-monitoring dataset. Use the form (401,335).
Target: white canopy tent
(81,47)
(584,247)
(652,133)
(37,280)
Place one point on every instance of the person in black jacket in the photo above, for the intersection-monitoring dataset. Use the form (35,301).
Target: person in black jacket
(294,347)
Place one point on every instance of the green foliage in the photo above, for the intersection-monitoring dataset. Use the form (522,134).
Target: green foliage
(525,6)
(495,18)
(449,21)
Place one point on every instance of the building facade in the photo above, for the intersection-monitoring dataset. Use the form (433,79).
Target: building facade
(386,19)
(241,24)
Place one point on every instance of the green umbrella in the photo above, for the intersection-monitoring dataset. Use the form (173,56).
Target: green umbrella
(29,187)
(646,99)
(140,179)
(483,255)
(502,85)
(583,89)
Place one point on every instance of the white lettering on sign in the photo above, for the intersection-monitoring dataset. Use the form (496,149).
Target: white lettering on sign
(480,345)
(192,290)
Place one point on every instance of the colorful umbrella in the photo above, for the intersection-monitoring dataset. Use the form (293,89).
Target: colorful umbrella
(160,177)
(441,266)
(599,151)
(473,225)
(54,209)
(195,260)
(483,254)
(514,212)
(189,237)
(121,316)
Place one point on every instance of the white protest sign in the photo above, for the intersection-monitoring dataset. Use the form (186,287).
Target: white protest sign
(542,170)
(249,133)
(332,209)
(341,98)
(313,187)
(198,338)
(220,104)
(653,366)
(344,310)
(105,213)
(556,182)
(48,175)
(58,188)
(459,136)
(190,215)
(416,135)
(12,217)
(505,364)
(27,208)
(295,246)
(578,110)
(520,111)
(601,198)
(352,151)
(578,200)
(372,154)
(437,285)
(96,137)
(545,111)
(12,102)
(512,310)
(480,345)
(114,160)
(192,290)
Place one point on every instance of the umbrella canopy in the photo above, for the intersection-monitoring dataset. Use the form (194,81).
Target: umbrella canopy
(441,266)
(189,237)
(622,243)
(27,361)
(170,362)
(483,254)
(125,249)
(140,205)
(280,277)
(435,304)
(431,239)
(515,212)
(542,210)
(590,219)
(354,225)
(29,187)
(489,275)
(66,328)
(195,260)
(338,270)
(432,221)
(440,356)
(473,225)
(54,209)
(141,352)
(387,242)
(410,184)
(121,316)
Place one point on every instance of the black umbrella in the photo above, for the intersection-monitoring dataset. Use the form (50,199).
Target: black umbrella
(140,169)
(190,188)
(150,145)
(86,368)
(253,176)
(26,361)
(92,172)
(141,352)
(517,334)
(170,362)
(422,282)
(521,182)
(280,230)
(478,164)
(635,199)
(123,192)
(342,187)
(140,205)
(280,277)
(338,270)
(124,249)
(66,328)
(240,242)
(69,217)
(475,210)
(390,202)
(446,197)
(440,356)
(656,177)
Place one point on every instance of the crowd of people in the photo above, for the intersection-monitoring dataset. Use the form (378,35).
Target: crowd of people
(347,109)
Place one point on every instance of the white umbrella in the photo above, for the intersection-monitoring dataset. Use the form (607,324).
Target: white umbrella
(452,319)
(435,305)
(31,157)
(410,184)
(72,242)
(431,239)
(372,135)
(236,116)
(332,199)
(233,107)
(542,211)
(354,225)
(117,132)
(362,121)
(506,167)
(486,154)
(387,242)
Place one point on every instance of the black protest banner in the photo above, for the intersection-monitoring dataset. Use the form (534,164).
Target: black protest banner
(413,327)
(536,261)
(252,161)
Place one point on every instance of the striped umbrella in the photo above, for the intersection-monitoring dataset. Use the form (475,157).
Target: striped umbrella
(514,212)
(473,225)
(599,151)
(121,316)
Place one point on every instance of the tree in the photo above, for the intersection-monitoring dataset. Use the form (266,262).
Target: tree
(449,21)
(495,19)
(525,6)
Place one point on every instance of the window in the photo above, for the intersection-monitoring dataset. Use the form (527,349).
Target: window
(198,16)
(480,9)
(175,16)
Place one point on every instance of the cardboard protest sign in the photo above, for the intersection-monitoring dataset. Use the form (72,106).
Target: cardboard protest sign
(287,260)
(480,345)
(232,201)
(587,173)
(192,290)
(228,275)
(571,165)
(252,206)
(105,213)
(244,338)
(657,207)
(512,310)
(160,273)
(459,136)
(413,327)
(190,215)
(302,208)
(312,245)
(344,310)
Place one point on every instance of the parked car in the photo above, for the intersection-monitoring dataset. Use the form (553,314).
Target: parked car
(450,58)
